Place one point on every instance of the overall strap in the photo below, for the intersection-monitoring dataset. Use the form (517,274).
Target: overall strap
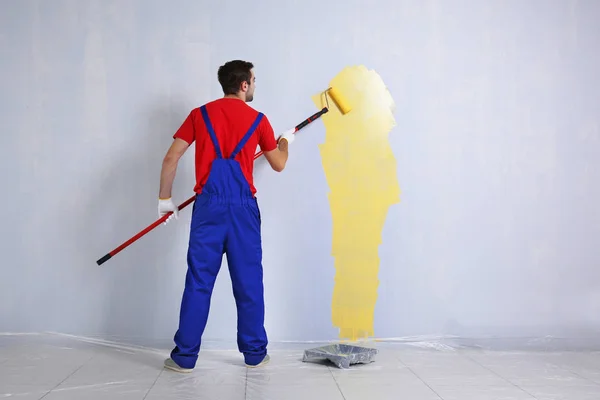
(211,131)
(242,142)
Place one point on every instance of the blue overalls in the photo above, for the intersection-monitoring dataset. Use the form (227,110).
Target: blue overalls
(225,220)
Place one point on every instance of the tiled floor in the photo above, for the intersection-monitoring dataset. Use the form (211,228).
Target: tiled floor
(53,367)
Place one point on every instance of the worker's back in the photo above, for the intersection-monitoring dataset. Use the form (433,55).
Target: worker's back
(230,118)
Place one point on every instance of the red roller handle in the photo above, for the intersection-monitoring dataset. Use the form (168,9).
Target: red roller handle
(162,219)
(159,221)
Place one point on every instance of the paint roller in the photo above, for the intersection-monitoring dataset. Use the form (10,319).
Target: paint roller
(337,98)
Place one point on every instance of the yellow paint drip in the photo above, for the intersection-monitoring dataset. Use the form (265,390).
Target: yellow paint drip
(361,172)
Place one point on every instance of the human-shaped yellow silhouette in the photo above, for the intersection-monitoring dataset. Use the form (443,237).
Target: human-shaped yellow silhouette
(361,173)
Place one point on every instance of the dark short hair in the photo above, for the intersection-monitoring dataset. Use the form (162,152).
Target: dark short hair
(233,73)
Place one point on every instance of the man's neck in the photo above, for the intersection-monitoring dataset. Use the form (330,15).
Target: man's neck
(234,96)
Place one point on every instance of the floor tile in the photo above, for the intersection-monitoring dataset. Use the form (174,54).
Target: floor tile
(531,369)
(583,392)
(191,390)
(460,392)
(375,390)
(302,389)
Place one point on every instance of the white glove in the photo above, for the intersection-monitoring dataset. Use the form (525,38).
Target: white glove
(288,135)
(165,206)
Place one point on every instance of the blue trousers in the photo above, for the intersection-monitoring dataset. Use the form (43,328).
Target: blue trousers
(219,228)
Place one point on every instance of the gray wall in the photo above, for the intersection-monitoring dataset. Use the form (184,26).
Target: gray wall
(497,144)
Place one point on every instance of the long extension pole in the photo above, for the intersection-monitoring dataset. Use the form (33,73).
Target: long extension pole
(183,205)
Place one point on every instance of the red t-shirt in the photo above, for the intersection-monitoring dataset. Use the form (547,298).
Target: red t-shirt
(230,118)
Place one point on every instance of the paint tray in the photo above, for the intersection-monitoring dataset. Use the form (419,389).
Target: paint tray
(342,355)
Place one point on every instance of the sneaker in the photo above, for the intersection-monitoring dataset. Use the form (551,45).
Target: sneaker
(172,365)
(263,362)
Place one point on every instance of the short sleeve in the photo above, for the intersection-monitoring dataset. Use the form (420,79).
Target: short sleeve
(186,131)
(266,139)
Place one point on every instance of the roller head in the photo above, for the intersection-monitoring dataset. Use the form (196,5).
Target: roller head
(339,100)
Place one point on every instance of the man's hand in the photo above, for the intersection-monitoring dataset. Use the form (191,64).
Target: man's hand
(277,157)
(288,135)
(282,145)
(165,206)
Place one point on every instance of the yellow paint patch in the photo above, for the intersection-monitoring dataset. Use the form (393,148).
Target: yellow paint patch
(361,172)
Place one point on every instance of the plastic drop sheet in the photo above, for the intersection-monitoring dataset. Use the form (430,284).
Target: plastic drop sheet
(59,367)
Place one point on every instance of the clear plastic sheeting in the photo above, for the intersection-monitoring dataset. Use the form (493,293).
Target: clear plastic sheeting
(342,355)
(62,367)
(588,340)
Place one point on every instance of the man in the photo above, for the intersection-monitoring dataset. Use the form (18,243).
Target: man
(225,215)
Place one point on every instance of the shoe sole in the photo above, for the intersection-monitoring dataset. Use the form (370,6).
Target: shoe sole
(260,364)
(184,371)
